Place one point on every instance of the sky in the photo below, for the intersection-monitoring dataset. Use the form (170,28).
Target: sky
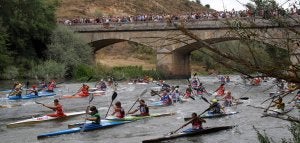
(236,4)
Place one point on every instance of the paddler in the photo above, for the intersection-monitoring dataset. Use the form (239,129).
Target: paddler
(220,91)
(34,90)
(165,98)
(279,104)
(84,91)
(118,110)
(228,99)
(95,116)
(197,122)
(188,92)
(59,112)
(215,107)
(143,108)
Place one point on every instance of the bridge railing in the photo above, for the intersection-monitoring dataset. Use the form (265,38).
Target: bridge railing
(168,25)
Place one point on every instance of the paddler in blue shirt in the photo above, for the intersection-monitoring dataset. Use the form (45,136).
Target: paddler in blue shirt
(143,108)
(215,107)
(95,116)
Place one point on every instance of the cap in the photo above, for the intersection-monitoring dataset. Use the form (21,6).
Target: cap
(214,100)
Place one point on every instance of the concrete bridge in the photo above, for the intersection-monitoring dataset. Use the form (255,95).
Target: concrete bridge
(172,46)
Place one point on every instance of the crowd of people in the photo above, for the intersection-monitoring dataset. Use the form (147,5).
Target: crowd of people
(187,17)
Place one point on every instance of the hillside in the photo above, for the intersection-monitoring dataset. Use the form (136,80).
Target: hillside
(95,8)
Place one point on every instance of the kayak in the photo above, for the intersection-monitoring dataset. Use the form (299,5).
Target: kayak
(136,117)
(157,104)
(209,115)
(95,93)
(87,127)
(43,118)
(277,112)
(188,132)
(31,96)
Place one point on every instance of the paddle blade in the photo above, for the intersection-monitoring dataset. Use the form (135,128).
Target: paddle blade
(195,74)
(205,99)
(38,102)
(89,78)
(192,97)
(113,97)
(91,98)
(244,98)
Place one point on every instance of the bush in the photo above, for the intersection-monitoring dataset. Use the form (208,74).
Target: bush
(10,72)
(48,69)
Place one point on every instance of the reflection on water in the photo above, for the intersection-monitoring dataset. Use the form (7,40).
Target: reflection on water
(137,131)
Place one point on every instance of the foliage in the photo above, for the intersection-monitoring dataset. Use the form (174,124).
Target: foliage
(29,25)
(10,72)
(67,48)
(25,27)
(5,58)
(82,72)
(207,6)
(48,70)
(294,129)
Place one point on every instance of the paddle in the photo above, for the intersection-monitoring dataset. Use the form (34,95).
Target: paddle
(38,102)
(113,97)
(91,97)
(189,121)
(154,93)
(205,100)
(137,100)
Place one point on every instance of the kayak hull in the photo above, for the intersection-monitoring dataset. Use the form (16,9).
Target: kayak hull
(87,127)
(42,119)
(188,132)
(133,118)
(31,96)
(208,115)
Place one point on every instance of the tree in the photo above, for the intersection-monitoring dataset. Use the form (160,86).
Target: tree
(29,24)
(5,58)
(198,2)
(66,47)
(207,6)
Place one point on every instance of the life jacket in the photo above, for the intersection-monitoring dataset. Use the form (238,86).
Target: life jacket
(59,110)
(144,110)
(196,124)
(221,91)
(120,114)
(166,99)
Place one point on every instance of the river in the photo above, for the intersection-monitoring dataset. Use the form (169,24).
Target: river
(140,130)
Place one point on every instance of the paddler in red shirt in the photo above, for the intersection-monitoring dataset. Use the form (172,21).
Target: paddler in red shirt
(59,112)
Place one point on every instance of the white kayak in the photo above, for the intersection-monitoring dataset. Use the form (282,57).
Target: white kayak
(43,118)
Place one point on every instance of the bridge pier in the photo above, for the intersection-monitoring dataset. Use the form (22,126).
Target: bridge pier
(173,65)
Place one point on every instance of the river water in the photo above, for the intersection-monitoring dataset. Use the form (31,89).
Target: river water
(140,130)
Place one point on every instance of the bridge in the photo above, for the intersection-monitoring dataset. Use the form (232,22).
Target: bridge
(173,48)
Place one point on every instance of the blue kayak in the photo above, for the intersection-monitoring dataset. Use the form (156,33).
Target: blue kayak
(31,96)
(86,127)
(157,104)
